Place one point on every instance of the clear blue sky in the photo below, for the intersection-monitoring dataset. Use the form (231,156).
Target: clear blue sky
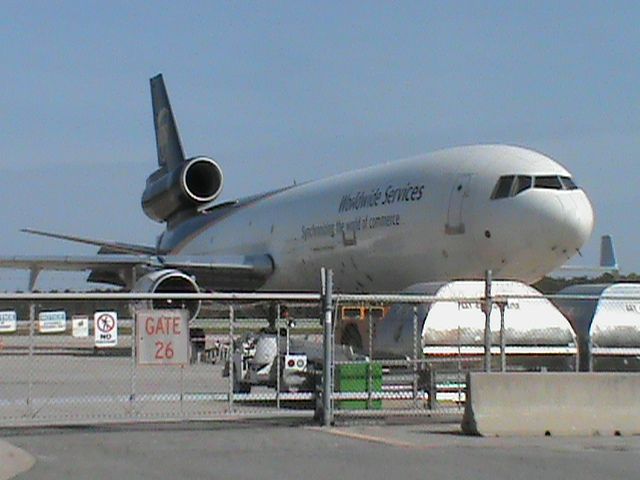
(278,91)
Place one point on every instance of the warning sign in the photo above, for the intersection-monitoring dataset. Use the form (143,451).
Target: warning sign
(162,337)
(8,322)
(52,322)
(80,326)
(105,325)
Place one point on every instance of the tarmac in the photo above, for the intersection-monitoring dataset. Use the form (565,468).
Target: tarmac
(296,449)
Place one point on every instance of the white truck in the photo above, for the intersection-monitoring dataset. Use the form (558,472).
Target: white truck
(256,362)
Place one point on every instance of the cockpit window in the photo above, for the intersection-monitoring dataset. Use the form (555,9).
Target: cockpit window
(550,182)
(522,184)
(568,183)
(503,187)
(512,185)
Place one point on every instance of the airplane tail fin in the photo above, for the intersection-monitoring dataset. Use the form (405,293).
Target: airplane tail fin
(607,253)
(170,153)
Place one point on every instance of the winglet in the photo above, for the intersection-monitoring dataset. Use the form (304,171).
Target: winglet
(607,253)
(170,153)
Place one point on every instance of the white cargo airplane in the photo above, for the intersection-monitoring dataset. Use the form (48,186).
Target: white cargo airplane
(447,215)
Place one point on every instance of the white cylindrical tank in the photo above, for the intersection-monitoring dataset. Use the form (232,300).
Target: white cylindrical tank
(534,328)
(607,322)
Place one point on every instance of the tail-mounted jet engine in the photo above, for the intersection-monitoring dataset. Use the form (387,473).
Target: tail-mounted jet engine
(169,281)
(195,182)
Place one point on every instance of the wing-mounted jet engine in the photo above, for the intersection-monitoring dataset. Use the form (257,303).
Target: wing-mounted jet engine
(169,281)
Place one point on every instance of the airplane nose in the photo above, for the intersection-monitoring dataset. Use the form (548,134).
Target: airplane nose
(578,220)
(565,221)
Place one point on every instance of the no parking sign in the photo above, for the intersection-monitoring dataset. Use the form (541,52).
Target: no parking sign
(105,326)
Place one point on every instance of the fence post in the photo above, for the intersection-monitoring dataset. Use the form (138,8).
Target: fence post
(415,355)
(488,305)
(134,340)
(327,380)
(230,357)
(503,340)
(278,326)
(134,333)
(32,319)
(369,366)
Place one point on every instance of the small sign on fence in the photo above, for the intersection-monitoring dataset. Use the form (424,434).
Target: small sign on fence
(8,321)
(162,337)
(52,322)
(105,325)
(80,326)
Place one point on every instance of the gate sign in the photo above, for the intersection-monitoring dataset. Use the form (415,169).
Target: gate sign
(162,337)
(105,327)
(80,326)
(52,322)
(8,322)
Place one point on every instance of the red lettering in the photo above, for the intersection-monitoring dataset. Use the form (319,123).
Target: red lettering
(163,326)
(160,327)
(164,351)
(176,325)
(159,350)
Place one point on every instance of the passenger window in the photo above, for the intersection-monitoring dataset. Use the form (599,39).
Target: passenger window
(503,187)
(550,182)
(522,183)
(568,183)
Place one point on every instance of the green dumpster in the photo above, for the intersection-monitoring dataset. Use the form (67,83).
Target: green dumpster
(355,378)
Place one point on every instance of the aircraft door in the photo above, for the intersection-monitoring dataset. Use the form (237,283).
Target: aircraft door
(459,192)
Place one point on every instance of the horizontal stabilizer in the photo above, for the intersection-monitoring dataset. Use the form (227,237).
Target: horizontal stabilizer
(113,247)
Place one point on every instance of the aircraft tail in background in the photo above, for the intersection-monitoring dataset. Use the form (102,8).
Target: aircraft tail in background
(608,262)
(608,254)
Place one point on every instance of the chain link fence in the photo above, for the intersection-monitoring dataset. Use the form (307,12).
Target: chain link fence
(420,347)
(264,354)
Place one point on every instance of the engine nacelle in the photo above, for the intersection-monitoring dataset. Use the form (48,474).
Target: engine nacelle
(169,281)
(196,182)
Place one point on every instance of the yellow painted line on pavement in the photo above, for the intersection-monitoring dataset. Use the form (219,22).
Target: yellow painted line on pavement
(13,460)
(371,438)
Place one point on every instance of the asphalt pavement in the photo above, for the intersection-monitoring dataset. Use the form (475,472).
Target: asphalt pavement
(295,449)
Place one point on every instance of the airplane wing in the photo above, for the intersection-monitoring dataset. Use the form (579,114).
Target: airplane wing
(118,269)
(72,262)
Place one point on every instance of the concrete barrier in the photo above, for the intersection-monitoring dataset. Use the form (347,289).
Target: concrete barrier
(533,404)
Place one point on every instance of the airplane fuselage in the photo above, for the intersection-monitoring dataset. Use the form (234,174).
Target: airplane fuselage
(384,228)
